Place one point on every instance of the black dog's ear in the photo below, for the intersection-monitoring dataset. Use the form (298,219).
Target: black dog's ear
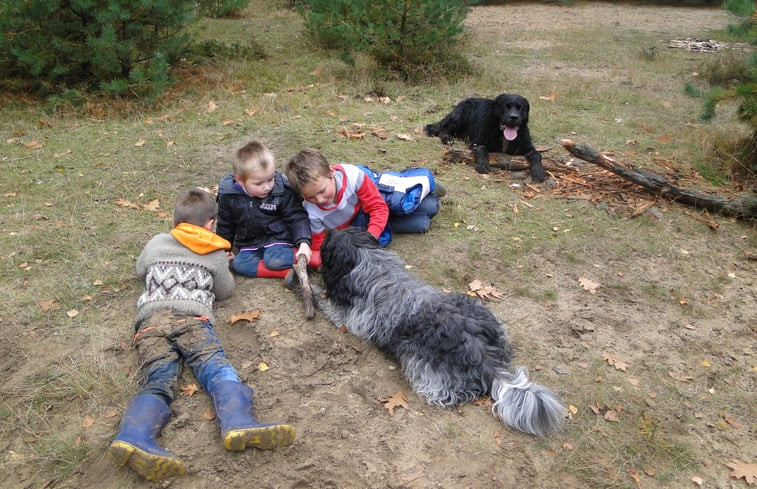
(526,108)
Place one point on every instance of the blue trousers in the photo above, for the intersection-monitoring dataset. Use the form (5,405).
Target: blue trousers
(419,220)
(275,257)
(164,339)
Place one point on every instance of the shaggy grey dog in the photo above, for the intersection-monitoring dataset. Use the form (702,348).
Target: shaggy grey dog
(451,348)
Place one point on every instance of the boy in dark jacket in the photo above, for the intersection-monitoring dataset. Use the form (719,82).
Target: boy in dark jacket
(184,271)
(261,215)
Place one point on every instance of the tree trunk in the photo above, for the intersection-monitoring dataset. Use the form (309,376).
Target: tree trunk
(743,207)
(502,161)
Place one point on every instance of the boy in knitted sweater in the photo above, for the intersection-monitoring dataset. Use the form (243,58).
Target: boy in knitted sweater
(184,272)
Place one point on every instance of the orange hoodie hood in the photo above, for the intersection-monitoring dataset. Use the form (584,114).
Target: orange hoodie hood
(199,239)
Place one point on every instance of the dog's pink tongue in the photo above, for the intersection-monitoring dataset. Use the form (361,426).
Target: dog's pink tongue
(510,133)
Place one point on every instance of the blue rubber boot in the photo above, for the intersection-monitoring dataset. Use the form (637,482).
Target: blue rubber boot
(136,446)
(239,429)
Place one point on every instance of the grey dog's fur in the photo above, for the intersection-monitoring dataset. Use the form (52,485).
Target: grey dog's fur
(451,348)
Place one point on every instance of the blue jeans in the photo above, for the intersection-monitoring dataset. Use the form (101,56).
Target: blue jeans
(164,338)
(274,257)
(419,220)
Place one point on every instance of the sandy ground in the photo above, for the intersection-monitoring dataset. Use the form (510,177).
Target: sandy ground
(329,384)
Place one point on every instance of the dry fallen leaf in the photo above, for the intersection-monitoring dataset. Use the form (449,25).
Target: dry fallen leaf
(680,378)
(397,399)
(87,422)
(212,107)
(72,313)
(49,306)
(550,98)
(262,366)
(611,415)
(477,289)
(741,470)
(153,205)
(188,390)
(33,145)
(611,360)
(126,203)
(588,285)
(209,414)
(250,316)
(405,137)
(352,136)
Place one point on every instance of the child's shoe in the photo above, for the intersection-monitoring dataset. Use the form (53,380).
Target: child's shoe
(136,446)
(239,428)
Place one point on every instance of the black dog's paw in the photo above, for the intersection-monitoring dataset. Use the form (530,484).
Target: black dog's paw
(447,139)
(481,155)
(535,167)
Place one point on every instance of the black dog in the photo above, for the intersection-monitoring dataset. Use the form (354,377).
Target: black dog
(491,125)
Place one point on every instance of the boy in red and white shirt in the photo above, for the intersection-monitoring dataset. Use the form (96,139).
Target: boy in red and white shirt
(336,196)
(343,195)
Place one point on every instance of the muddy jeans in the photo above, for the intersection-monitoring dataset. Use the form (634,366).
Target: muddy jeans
(163,339)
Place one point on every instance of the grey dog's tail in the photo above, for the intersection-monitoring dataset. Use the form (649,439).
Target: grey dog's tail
(526,406)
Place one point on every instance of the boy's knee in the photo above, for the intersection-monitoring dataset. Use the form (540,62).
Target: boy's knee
(245,264)
(429,206)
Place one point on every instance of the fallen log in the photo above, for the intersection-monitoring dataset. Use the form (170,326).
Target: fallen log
(502,161)
(744,207)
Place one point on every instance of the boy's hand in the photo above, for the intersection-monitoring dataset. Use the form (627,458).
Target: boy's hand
(304,249)
(230,255)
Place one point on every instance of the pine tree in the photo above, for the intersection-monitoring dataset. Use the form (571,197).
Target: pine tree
(745,90)
(402,35)
(118,46)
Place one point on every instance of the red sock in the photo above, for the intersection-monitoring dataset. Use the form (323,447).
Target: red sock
(265,272)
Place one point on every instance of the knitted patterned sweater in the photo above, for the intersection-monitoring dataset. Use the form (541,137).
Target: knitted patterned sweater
(184,271)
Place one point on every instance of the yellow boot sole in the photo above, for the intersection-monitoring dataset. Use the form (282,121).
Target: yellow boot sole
(150,466)
(264,437)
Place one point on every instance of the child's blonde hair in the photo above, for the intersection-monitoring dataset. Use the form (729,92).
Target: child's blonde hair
(251,157)
(305,167)
(194,206)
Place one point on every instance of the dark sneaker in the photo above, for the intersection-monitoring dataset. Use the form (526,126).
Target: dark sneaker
(439,189)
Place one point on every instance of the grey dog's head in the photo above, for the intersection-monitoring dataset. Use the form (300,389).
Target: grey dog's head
(512,111)
(340,251)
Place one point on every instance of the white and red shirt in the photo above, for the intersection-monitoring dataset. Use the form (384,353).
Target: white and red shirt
(354,191)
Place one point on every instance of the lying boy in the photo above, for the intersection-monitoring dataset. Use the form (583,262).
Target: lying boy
(184,271)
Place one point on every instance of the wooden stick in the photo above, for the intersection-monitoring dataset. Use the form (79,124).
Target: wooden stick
(301,269)
(743,207)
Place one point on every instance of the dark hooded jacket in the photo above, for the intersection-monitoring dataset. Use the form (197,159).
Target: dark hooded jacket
(250,222)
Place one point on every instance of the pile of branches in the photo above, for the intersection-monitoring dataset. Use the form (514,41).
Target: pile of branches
(629,190)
